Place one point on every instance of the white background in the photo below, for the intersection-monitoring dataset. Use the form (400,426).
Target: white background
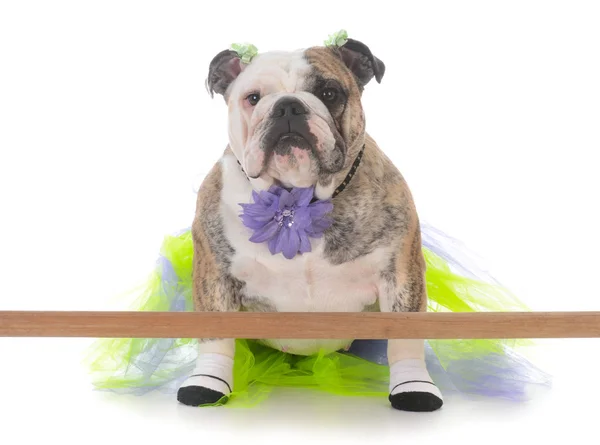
(490,109)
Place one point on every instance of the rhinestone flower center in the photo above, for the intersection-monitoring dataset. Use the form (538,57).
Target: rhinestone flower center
(285,217)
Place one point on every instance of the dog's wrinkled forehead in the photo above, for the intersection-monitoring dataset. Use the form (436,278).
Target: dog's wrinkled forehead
(274,72)
(353,64)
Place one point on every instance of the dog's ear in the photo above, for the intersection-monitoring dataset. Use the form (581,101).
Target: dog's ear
(223,70)
(360,60)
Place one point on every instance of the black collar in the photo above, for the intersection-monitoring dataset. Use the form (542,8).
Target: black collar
(340,188)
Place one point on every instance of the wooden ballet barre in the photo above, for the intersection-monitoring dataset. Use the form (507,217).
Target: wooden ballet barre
(303,325)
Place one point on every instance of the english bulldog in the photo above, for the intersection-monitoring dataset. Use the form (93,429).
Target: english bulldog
(296,123)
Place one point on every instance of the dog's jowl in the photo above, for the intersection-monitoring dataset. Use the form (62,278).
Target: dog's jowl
(328,222)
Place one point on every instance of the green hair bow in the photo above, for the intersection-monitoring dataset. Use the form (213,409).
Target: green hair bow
(245,51)
(337,39)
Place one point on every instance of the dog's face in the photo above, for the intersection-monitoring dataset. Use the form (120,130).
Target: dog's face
(295,118)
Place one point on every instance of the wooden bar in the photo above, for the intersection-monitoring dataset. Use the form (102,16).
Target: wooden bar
(486,325)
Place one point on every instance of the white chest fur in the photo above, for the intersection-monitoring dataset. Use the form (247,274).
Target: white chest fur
(306,283)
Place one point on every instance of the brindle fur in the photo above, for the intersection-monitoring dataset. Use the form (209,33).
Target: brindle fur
(214,289)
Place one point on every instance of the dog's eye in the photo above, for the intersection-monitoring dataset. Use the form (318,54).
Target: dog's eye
(329,95)
(253,98)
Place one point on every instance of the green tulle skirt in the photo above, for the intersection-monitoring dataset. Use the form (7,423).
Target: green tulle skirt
(481,367)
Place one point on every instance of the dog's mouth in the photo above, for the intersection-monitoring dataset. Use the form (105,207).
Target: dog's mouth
(291,137)
(282,145)
(294,153)
(289,140)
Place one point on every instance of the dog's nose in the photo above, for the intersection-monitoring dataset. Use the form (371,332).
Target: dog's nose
(289,107)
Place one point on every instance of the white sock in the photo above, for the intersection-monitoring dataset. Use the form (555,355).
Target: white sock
(411,375)
(213,371)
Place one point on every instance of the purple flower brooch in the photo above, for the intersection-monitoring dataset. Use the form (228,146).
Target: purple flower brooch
(286,219)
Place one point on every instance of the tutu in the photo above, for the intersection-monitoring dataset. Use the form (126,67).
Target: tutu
(455,283)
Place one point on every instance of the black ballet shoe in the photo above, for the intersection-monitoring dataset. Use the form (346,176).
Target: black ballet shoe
(199,396)
(416,401)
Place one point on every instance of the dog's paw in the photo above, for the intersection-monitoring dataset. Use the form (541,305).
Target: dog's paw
(202,390)
(416,401)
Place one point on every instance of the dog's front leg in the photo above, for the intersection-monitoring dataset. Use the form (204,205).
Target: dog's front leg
(214,290)
(403,290)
